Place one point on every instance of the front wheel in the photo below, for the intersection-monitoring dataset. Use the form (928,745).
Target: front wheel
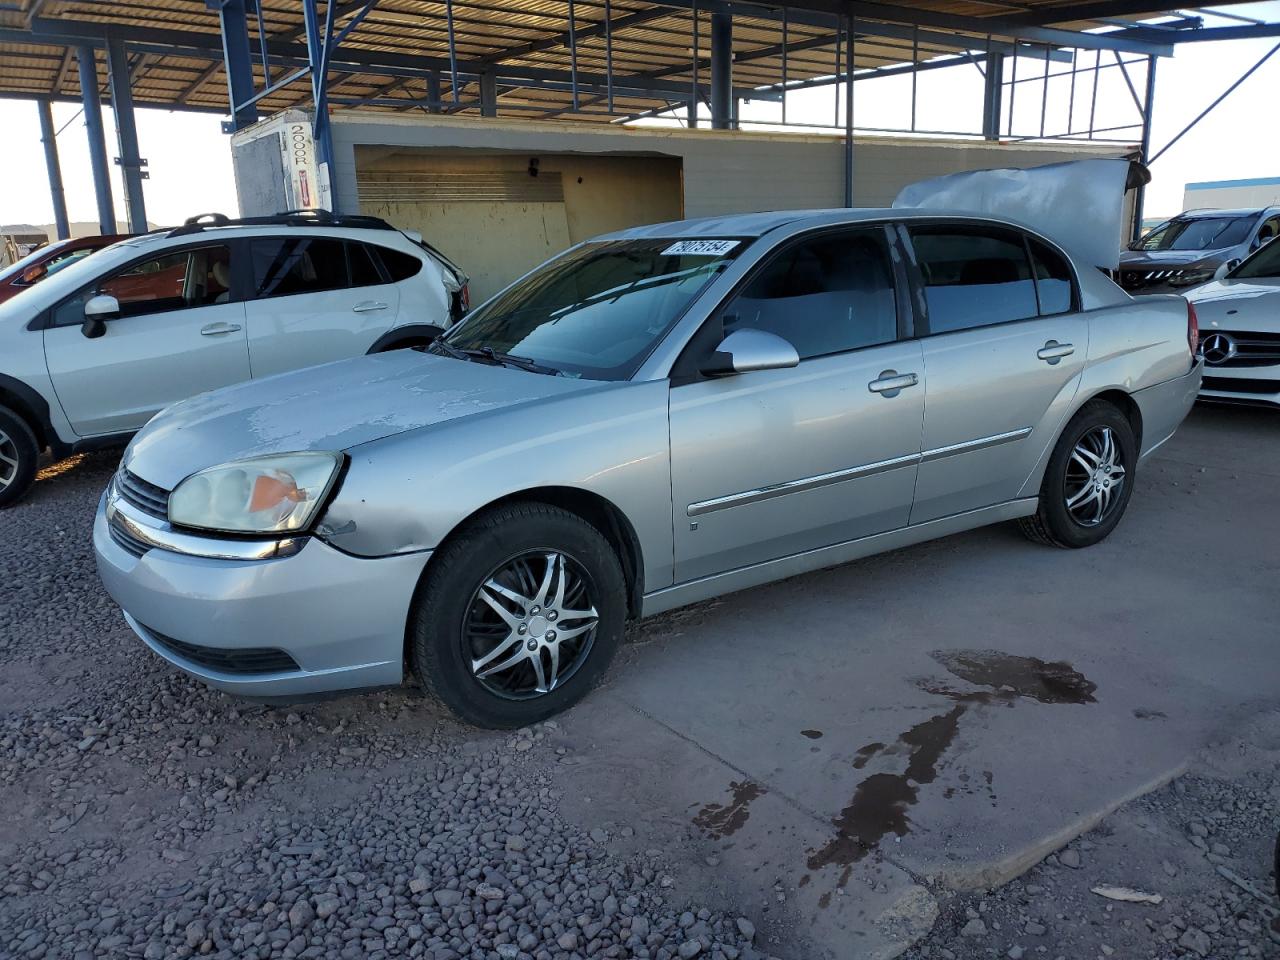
(519,616)
(1088,481)
(18,455)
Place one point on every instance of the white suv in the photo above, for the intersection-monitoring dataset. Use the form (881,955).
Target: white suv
(91,354)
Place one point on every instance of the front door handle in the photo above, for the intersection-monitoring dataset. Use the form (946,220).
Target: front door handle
(368,306)
(1053,351)
(890,383)
(218,329)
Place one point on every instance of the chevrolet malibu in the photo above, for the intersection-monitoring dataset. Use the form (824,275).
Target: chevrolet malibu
(653,418)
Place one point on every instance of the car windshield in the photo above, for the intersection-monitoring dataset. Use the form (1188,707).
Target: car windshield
(1197,233)
(1263,265)
(15,269)
(598,310)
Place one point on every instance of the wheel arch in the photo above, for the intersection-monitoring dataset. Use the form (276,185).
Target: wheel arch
(408,335)
(601,513)
(31,407)
(1122,401)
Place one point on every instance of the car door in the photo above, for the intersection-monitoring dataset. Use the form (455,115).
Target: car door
(775,462)
(314,299)
(180,332)
(1004,344)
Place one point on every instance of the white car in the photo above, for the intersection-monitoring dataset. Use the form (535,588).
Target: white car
(1239,316)
(92,353)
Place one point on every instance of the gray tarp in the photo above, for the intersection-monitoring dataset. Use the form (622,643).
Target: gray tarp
(1079,204)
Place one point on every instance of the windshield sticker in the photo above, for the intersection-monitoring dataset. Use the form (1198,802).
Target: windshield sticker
(700,248)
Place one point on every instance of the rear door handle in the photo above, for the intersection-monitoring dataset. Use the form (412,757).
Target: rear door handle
(891,382)
(218,329)
(368,306)
(1053,351)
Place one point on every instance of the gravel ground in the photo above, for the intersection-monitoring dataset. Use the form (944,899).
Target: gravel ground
(144,815)
(1204,845)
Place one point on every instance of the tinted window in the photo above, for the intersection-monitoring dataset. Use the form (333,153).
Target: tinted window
(823,296)
(1053,279)
(171,281)
(282,267)
(599,309)
(972,278)
(364,272)
(1198,233)
(401,266)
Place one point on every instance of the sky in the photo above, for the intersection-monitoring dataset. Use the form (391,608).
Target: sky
(190,158)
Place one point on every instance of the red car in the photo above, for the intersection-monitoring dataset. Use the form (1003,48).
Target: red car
(50,258)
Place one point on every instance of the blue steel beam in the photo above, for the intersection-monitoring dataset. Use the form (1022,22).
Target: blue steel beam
(130,162)
(237,57)
(49,138)
(92,104)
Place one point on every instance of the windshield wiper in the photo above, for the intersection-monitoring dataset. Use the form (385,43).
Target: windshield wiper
(507,359)
(448,350)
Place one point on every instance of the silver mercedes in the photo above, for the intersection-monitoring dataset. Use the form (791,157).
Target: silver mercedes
(654,417)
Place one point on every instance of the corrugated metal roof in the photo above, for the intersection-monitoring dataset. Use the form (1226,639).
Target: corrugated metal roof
(649,42)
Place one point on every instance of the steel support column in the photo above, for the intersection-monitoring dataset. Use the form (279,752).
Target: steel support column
(48,137)
(993,96)
(488,94)
(319,38)
(1140,192)
(433,92)
(127,133)
(721,71)
(848,120)
(97,141)
(237,59)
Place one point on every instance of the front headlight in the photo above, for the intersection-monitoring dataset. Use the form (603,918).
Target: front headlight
(275,494)
(1190,278)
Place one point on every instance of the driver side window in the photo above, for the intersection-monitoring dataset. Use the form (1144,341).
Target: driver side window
(171,281)
(826,295)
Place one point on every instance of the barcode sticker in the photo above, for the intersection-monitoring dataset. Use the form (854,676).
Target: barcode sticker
(700,248)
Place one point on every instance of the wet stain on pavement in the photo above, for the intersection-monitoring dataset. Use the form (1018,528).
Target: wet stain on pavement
(721,820)
(880,804)
(866,753)
(812,734)
(1037,679)
(1150,714)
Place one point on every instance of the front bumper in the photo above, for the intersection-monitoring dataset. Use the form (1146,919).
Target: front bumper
(1239,384)
(314,622)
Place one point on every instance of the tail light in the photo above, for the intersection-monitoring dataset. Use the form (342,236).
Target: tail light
(1193,329)
(465,297)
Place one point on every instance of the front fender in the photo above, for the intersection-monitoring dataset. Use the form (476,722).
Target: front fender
(409,491)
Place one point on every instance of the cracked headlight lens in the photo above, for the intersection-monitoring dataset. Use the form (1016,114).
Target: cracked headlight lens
(273,494)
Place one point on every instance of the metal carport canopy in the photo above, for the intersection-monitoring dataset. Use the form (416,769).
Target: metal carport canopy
(533,58)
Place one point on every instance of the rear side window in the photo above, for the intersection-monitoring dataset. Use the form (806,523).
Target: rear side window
(1053,279)
(364,271)
(973,278)
(823,296)
(286,266)
(400,265)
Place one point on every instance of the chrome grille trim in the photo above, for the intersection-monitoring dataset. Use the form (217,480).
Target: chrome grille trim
(148,531)
(145,496)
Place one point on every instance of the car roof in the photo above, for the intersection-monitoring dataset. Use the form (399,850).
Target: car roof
(758,224)
(1199,214)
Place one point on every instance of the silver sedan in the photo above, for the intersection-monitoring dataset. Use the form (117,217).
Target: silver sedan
(653,418)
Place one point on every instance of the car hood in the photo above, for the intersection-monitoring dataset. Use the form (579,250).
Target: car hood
(1164,259)
(1238,304)
(335,406)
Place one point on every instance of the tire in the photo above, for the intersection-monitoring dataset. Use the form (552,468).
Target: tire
(456,632)
(1054,522)
(17,443)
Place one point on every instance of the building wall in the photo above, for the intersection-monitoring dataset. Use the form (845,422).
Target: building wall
(1232,194)
(720,172)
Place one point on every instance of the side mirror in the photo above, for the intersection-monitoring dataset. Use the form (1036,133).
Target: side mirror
(97,312)
(1225,268)
(34,273)
(746,350)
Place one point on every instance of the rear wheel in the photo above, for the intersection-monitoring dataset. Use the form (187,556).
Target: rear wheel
(1088,481)
(519,616)
(18,455)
